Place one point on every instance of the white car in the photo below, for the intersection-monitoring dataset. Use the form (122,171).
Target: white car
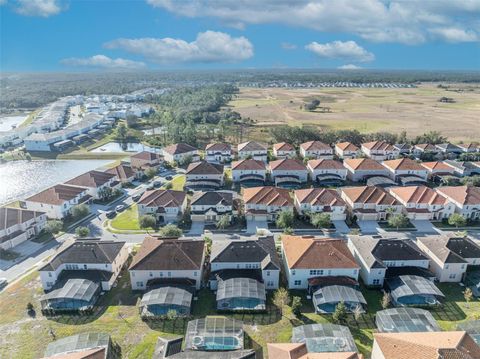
(120,208)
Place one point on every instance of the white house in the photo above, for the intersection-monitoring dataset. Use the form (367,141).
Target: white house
(346,150)
(316,149)
(438,168)
(145,160)
(327,172)
(161,260)
(375,256)
(210,206)
(218,152)
(124,173)
(320,200)
(380,150)
(404,167)
(98,184)
(180,152)
(264,203)
(288,171)
(308,257)
(284,150)
(165,205)
(18,225)
(84,259)
(426,149)
(251,258)
(465,198)
(249,170)
(360,169)
(252,149)
(57,201)
(204,175)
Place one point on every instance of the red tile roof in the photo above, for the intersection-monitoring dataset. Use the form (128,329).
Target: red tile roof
(403,164)
(364,164)
(287,164)
(378,146)
(437,166)
(325,164)
(269,196)
(283,146)
(91,179)
(204,168)
(465,195)
(346,146)
(417,194)
(218,147)
(319,197)
(249,164)
(251,146)
(315,146)
(122,171)
(162,198)
(369,194)
(147,156)
(179,148)
(57,194)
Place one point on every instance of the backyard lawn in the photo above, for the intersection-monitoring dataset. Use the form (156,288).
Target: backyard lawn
(126,220)
(177,183)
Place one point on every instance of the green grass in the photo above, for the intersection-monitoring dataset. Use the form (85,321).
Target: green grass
(178,182)
(126,220)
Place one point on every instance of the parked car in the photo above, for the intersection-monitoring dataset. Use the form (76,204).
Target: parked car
(136,198)
(111,214)
(3,283)
(169,178)
(119,208)
(157,184)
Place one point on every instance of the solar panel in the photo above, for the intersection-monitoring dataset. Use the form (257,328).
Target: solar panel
(398,320)
(327,337)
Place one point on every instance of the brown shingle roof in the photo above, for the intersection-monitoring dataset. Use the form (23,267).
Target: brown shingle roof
(315,146)
(308,252)
(427,345)
(319,196)
(346,146)
(249,164)
(204,168)
(287,164)
(325,164)
(57,194)
(469,195)
(251,146)
(122,171)
(270,196)
(418,194)
(10,217)
(169,254)
(403,164)
(91,179)
(179,148)
(369,194)
(162,198)
(426,147)
(147,156)
(363,164)
(218,147)
(378,146)
(283,146)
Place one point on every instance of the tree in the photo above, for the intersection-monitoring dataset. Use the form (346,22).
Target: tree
(321,220)
(468,295)
(357,312)
(398,221)
(170,230)
(147,221)
(386,300)
(82,232)
(53,226)
(121,132)
(80,211)
(223,222)
(208,246)
(285,219)
(296,305)
(281,298)
(340,313)
(131,120)
(105,193)
(288,230)
(457,220)
(150,173)
(168,185)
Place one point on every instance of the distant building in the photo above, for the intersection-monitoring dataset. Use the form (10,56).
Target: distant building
(252,149)
(218,152)
(284,150)
(316,149)
(180,152)
(380,150)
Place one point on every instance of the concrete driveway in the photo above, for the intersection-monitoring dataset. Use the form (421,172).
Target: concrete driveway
(424,226)
(341,227)
(197,228)
(368,227)
(253,225)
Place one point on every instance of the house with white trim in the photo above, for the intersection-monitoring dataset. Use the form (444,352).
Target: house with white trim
(316,149)
(320,200)
(18,225)
(252,149)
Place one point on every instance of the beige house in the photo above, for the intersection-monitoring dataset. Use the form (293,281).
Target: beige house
(264,203)
(320,200)
(380,150)
(284,150)
(346,150)
(165,205)
(316,149)
(18,225)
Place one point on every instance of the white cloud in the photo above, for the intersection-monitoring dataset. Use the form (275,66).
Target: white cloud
(42,8)
(341,50)
(399,21)
(288,46)
(209,46)
(349,67)
(103,61)
(452,34)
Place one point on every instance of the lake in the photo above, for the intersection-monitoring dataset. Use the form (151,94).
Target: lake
(7,122)
(125,147)
(20,179)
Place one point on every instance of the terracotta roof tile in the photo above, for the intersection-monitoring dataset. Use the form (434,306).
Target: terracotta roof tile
(346,146)
(204,168)
(378,146)
(403,164)
(417,194)
(287,164)
(368,194)
(162,198)
(57,194)
(315,146)
(10,217)
(283,146)
(363,164)
(251,146)
(91,179)
(218,147)
(122,171)
(437,166)
(147,156)
(179,148)
(319,196)
(325,164)
(465,195)
(270,196)
(249,164)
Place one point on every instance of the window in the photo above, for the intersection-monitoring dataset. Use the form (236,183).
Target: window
(194,274)
(151,274)
(447,266)
(85,266)
(268,273)
(50,274)
(452,276)
(133,274)
(376,281)
(316,271)
(293,271)
(297,282)
(169,274)
(270,283)
(139,284)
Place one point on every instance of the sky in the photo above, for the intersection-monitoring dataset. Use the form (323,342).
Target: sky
(132,35)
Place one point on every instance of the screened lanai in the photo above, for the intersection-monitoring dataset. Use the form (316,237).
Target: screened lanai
(75,294)
(472,327)
(214,334)
(161,300)
(321,338)
(413,290)
(241,294)
(326,298)
(77,343)
(399,320)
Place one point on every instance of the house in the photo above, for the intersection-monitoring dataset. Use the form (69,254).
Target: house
(180,153)
(245,258)
(264,203)
(124,173)
(164,204)
(405,167)
(449,150)
(99,185)
(18,225)
(402,148)
(449,256)
(300,351)
(88,345)
(361,169)
(463,168)
(288,172)
(145,160)
(426,151)
(380,150)
(438,168)
(370,203)
(249,171)
(307,257)
(99,261)
(204,175)
(468,147)
(252,149)
(218,152)
(422,203)
(327,172)
(57,201)
(425,345)
(166,260)
(284,150)
(210,206)
(465,198)
(320,200)
(316,149)
(346,150)
(381,258)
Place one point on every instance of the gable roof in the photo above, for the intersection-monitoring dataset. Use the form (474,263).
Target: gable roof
(370,194)
(308,252)
(218,147)
(92,179)
(315,146)
(346,146)
(10,217)
(426,147)
(57,194)
(465,195)
(364,164)
(287,164)
(417,194)
(203,168)
(147,156)
(283,146)
(438,246)
(300,351)
(437,166)
(325,164)
(403,164)
(251,146)
(319,197)
(270,196)
(122,171)
(427,345)
(85,251)
(378,146)
(169,254)
(249,164)
(212,198)
(179,148)
(162,198)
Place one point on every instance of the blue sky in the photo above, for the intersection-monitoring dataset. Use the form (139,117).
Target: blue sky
(85,35)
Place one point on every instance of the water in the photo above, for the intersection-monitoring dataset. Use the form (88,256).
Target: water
(21,179)
(7,122)
(125,147)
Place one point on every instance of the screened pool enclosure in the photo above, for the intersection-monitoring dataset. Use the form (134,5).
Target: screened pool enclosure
(241,294)
(321,338)
(75,294)
(214,334)
(160,301)
(399,320)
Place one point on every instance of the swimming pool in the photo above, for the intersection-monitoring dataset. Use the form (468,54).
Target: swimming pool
(216,343)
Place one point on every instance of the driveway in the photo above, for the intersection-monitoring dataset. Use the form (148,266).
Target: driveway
(424,226)
(197,228)
(341,227)
(368,227)
(253,225)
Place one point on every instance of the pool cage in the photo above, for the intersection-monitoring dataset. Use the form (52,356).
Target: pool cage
(214,334)
(321,338)
(241,294)
(75,294)
(160,301)
(400,320)
(79,342)
(472,327)
(413,290)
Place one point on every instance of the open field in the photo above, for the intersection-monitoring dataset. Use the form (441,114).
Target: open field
(414,110)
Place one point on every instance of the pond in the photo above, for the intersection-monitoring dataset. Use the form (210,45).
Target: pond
(20,179)
(125,147)
(7,122)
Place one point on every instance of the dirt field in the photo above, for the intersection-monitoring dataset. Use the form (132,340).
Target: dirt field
(415,110)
